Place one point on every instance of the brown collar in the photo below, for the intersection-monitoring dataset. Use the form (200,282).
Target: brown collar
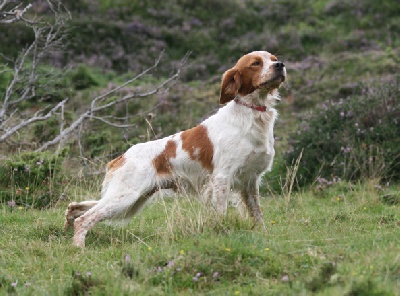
(258,108)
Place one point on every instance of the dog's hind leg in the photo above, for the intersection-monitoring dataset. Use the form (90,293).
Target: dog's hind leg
(77,209)
(114,205)
(83,223)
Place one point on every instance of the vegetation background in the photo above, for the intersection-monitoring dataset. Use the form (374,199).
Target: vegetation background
(331,202)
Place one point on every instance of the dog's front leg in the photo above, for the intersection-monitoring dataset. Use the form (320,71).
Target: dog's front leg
(220,190)
(251,198)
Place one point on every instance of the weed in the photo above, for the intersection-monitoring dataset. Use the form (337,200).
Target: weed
(391,198)
(7,285)
(323,277)
(127,268)
(367,287)
(32,179)
(81,284)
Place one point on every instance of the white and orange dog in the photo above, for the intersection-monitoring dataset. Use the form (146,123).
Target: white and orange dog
(230,150)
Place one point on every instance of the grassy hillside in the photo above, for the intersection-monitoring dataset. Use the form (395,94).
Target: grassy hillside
(329,47)
(339,240)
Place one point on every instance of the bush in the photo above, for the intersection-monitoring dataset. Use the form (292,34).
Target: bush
(31,179)
(82,78)
(357,137)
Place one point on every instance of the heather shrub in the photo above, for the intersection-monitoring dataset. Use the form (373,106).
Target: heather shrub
(31,179)
(353,138)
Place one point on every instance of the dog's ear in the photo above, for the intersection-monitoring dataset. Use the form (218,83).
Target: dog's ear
(231,82)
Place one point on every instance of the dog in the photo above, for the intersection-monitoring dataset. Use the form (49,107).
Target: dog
(230,150)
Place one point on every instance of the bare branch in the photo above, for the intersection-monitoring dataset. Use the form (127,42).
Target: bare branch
(25,73)
(94,101)
(37,117)
(13,15)
(10,89)
(111,123)
(3,4)
(90,113)
(141,95)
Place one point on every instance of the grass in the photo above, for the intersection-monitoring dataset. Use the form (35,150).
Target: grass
(342,239)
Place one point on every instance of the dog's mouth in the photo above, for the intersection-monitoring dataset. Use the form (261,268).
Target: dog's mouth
(273,82)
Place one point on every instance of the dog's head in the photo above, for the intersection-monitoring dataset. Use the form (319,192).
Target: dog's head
(256,71)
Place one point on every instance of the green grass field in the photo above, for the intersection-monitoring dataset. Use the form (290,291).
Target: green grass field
(342,240)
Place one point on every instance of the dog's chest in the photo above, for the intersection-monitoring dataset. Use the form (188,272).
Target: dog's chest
(261,135)
(262,140)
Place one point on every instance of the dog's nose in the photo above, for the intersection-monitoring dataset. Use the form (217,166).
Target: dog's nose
(279,65)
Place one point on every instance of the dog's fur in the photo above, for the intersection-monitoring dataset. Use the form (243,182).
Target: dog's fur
(230,150)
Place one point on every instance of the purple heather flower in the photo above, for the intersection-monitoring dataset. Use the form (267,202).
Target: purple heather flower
(27,168)
(127,258)
(345,150)
(195,279)
(14,284)
(285,278)
(170,263)
(159,268)
(198,274)
(215,274)
(11,203)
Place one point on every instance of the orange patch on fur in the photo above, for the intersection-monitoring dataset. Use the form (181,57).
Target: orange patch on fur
(273,58)
(198,145)
(116,163)
(162,161)
(250,75)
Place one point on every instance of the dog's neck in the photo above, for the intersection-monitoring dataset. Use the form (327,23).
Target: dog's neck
(259,100)
(254,107)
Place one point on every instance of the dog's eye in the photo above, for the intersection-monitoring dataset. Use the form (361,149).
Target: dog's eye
(256,63)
